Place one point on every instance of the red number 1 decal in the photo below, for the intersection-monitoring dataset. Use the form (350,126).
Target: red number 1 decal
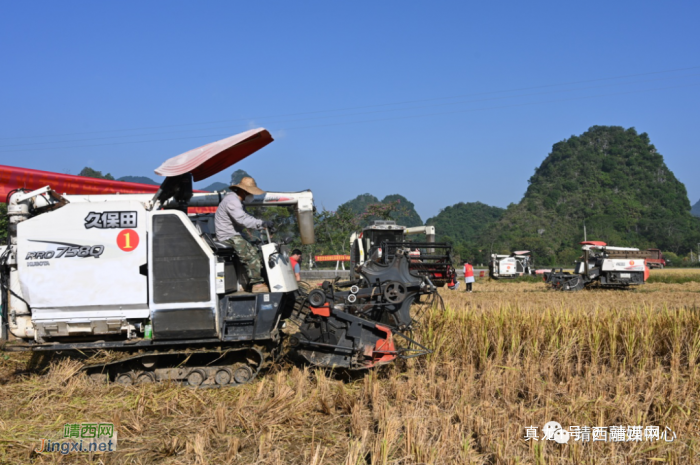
(128,240)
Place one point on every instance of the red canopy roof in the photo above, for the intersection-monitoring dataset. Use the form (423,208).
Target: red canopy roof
(598,243)
(202,162)
(210,159)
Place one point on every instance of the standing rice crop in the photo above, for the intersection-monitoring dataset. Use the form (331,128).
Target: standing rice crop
(506,357)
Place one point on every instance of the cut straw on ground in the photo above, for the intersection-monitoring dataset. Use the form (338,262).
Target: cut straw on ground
(507,356)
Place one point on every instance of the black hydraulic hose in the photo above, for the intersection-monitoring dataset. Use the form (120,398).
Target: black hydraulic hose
(4,301)
(4,285)
(4,322)
(9,194)
(3,281)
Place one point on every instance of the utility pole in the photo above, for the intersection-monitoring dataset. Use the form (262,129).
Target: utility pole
(584,231)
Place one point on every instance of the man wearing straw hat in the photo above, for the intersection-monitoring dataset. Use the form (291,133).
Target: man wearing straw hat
(231,219)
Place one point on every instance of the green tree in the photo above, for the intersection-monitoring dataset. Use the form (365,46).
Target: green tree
(283,218)
(405,213)
(139,179)
(381,211)
(672,259)
(3,223)
(400,209)
(216,187)
(696,209)
(609,178)
(358,205)
(464,221)
(333,230)
(237,175)
(90,173)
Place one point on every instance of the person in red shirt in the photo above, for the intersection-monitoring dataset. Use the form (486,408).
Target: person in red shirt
(468,276)
(295,258)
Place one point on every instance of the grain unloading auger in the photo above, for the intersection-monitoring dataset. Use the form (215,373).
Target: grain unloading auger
(132,274)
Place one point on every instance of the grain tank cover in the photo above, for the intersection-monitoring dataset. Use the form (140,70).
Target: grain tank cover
(210,159)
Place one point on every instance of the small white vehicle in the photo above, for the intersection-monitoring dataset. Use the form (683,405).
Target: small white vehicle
(518,263)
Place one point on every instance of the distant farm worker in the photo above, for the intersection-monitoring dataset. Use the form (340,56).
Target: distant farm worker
(231,219)
(468,276)
(295,258)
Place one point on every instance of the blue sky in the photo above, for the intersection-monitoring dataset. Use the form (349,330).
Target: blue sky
(442,102)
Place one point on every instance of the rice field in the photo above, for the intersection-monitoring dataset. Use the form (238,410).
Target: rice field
(506,357)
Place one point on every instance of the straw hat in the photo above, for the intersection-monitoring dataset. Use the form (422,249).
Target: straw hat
(248,184)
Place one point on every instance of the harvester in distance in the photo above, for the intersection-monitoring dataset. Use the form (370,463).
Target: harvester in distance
(135,275)
(518,263)
(602,266)
(381,240)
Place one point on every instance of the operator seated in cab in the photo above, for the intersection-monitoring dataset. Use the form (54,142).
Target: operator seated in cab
(231,219)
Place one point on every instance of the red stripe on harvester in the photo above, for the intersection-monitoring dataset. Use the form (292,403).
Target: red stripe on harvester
(12,178)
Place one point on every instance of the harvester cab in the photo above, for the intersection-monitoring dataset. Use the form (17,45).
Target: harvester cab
(380,241)
(518,263)
(136,275)
(603,266)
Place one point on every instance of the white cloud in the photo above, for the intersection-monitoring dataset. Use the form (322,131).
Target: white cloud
(280,134)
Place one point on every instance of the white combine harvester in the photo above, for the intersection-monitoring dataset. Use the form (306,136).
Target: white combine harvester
(518,263)
(383,238)
(136,275)
(602,266)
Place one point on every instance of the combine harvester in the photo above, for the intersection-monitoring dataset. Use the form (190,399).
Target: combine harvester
(511,266)
(381,240)
(102,267)
(602,266)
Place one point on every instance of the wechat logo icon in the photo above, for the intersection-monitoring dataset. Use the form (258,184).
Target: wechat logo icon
(554,432)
